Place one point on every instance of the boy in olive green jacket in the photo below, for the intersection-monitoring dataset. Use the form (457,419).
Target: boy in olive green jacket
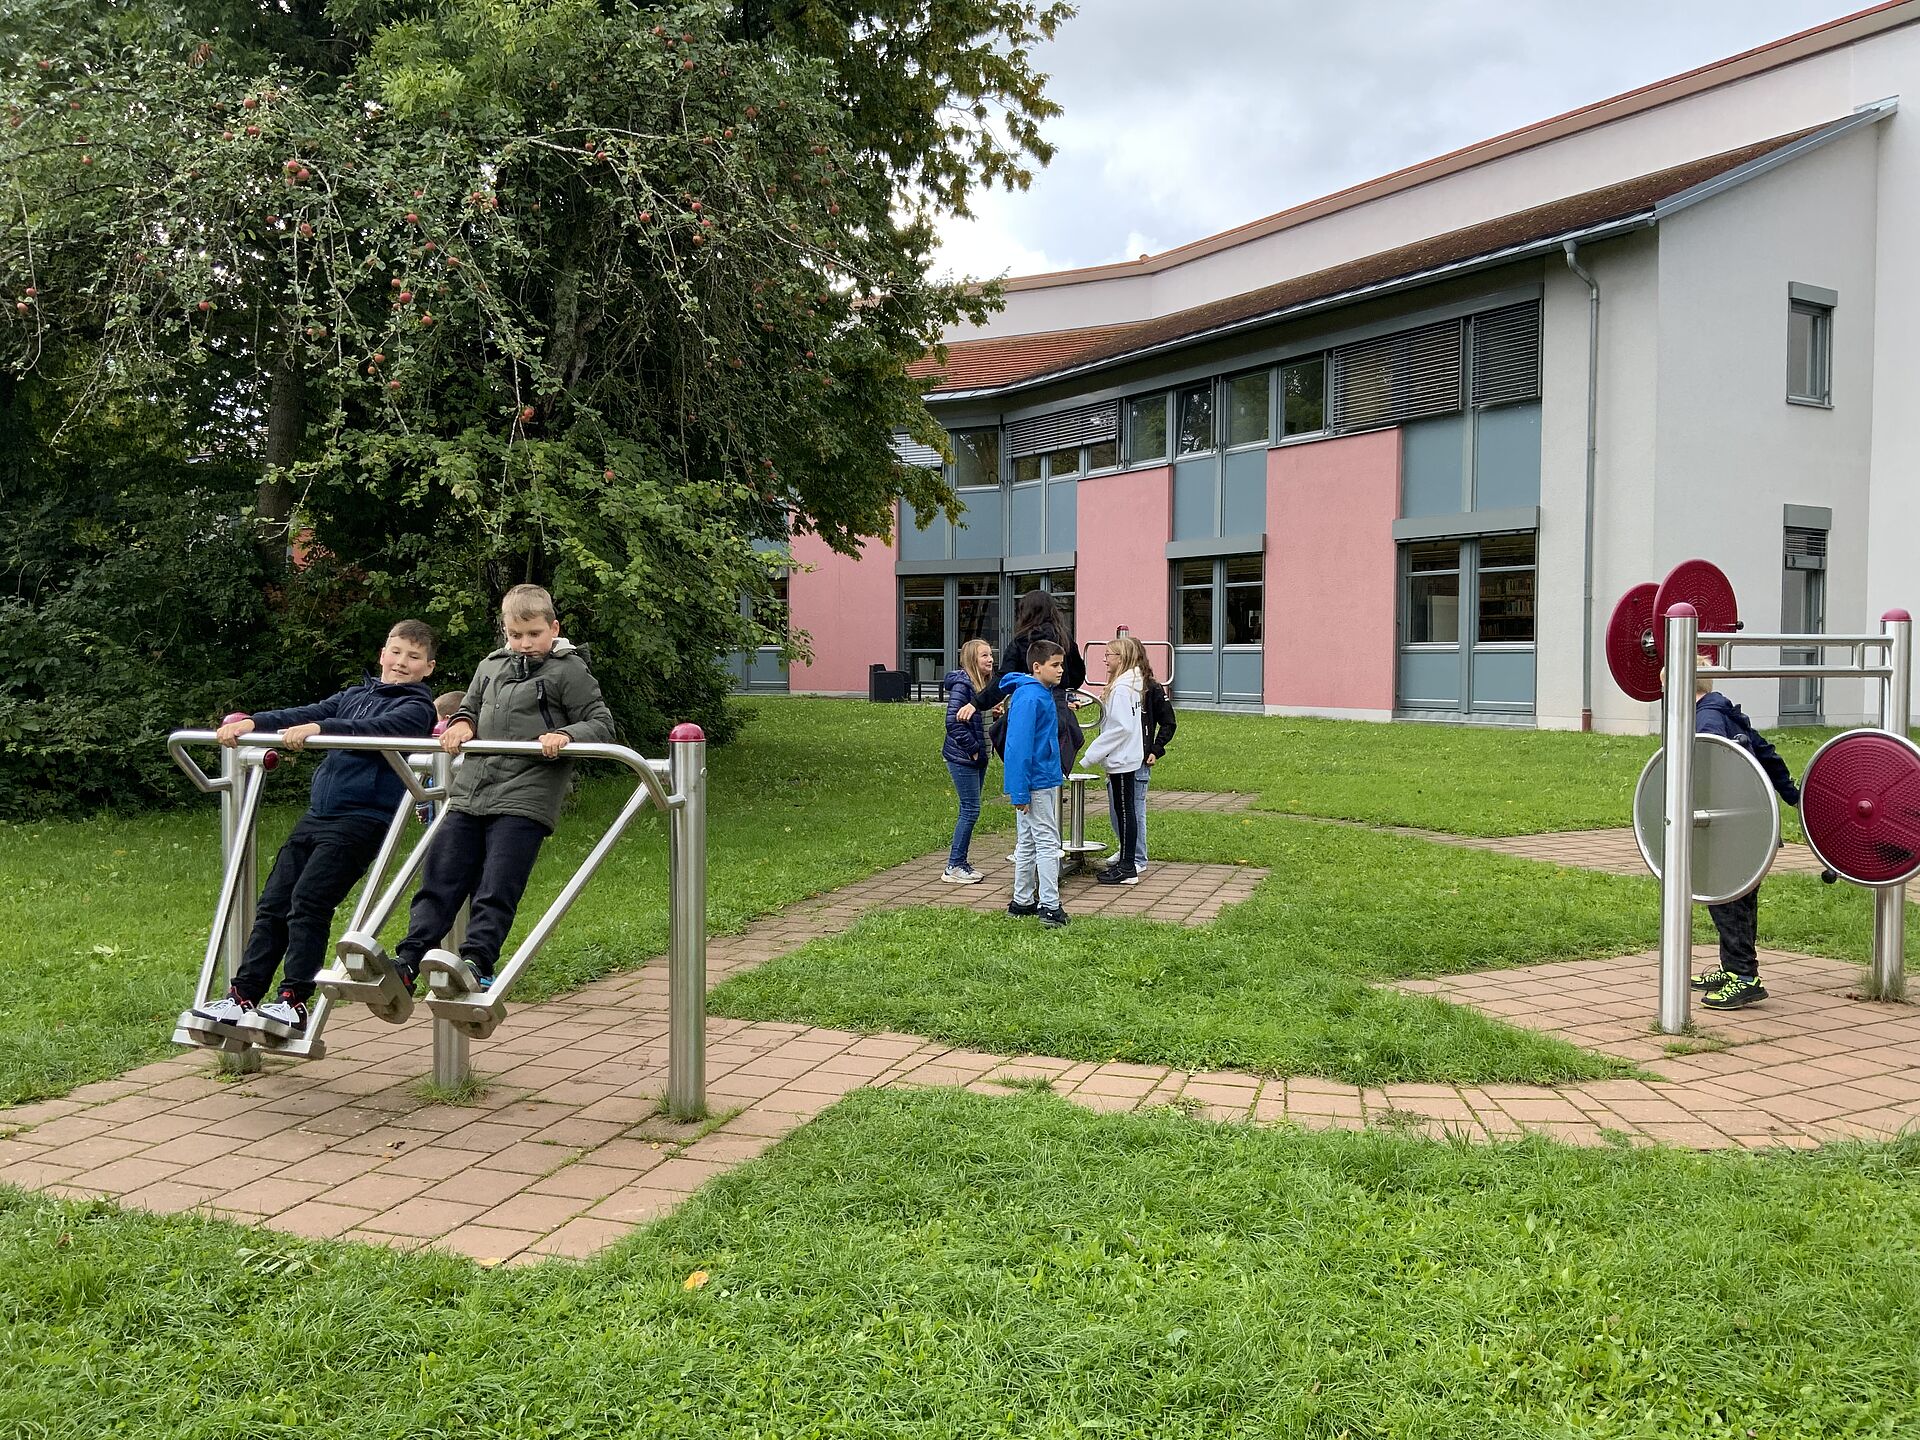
(503,806)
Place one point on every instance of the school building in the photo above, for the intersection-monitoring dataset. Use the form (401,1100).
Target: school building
(1395,453)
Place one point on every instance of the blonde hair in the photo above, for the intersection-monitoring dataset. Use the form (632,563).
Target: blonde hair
(1133,656)
(528,602)
(970,654)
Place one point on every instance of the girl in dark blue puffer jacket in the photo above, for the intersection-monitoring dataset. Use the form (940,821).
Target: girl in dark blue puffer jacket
(965,751)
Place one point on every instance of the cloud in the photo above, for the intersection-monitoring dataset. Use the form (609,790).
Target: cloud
(1185,120)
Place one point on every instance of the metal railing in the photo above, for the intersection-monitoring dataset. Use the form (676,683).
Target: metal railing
(363,971)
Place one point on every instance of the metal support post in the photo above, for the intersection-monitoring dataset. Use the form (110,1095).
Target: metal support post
(687,926)
(233,770)
(452,1061)
(1888,980)
(1676,878)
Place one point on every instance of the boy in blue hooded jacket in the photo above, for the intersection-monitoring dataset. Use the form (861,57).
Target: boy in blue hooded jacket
(1032,779)
(1735,981)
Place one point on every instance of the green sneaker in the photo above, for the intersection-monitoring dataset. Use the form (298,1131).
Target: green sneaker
(1712,979)
(1739,990)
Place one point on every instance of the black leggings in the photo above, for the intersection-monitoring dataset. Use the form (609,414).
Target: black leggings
(1120,796)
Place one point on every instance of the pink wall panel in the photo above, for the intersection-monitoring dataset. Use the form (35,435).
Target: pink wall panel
(849,608)
(1331,581)
(1120,566)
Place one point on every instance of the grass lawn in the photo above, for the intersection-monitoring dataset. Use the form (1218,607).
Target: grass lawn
(944,1264)
(103,923)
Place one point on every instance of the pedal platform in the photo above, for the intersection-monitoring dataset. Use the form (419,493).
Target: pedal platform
(364,973)
(192,1029)
(470,1015)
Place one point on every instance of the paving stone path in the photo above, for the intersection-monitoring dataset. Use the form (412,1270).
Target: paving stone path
(566,1150)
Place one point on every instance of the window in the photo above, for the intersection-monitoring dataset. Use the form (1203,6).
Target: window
(1195,407)
(1506,590)
(1303,397)
(1063,462)
(1057,583)
(1247,409)
(1104,456)
(1433,593)
(979,597)
(1193,580)
(1809,353)
(1146,429)
(976,457)
(923,634)
(1026,468)
(1241,616)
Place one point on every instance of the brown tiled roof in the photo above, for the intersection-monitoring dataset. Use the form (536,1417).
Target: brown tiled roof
(1013,359)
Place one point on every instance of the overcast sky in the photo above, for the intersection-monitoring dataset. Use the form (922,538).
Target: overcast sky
(1187,117)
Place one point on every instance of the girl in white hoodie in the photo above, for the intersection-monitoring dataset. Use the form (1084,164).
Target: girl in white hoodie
(1120,750)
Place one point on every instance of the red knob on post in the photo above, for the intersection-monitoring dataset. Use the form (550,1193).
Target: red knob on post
(270,759)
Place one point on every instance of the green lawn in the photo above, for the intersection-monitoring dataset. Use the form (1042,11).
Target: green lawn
(948,1265)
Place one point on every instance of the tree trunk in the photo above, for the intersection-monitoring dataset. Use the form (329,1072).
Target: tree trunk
(286,424)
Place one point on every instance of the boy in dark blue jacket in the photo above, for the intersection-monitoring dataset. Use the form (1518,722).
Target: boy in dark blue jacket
(1031,776)
(1736,980)
(355,794)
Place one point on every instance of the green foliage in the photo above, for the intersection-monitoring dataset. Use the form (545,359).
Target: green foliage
(590,294)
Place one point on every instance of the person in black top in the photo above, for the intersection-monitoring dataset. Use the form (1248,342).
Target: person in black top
(1037,618)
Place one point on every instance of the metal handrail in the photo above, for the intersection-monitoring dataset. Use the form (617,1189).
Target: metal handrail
(396,748)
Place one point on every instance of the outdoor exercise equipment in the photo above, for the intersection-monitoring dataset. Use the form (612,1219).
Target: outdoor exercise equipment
(1860,806)
(1860,795)
(1736,820)
(461,1010)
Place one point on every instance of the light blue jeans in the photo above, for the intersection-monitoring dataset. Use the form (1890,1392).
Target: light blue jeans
(1036,851)
(1141,778)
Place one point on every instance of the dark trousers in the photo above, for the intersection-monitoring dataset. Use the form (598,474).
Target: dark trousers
(485,859)
(966,784)
(1738,921)
(1125,804)
(316,869)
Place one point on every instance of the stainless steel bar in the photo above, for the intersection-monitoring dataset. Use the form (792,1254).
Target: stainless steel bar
(377,874)
(687,928)
(1889,978)
(1676,876)
(1805,672)
(452,1059)
(1824,641)
(238,907)
(237,803)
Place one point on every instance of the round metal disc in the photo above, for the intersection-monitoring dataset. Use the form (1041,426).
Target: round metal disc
(1736,824)
(1860,803)
(1630,655)
(1702,585)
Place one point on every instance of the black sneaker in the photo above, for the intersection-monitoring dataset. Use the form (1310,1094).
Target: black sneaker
(1738,991)
(1114,875)
(1020,912)
(482,972)
(1053,918)
(409,976)
(1712,979)
(285,1017)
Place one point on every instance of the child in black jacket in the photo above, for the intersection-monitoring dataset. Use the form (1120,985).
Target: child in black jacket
(355,795)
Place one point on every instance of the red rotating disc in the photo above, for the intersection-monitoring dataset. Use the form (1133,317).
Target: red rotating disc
(1630,654)
(1701,584)
(1860,804)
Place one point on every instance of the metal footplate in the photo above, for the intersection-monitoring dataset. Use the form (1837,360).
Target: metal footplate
(367,975)
(476,1015)
(192,1029)
(448,976)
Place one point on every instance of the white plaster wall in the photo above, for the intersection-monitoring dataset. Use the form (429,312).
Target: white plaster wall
(1731,451)
(1810,92)
(1893,534)
(1563,478)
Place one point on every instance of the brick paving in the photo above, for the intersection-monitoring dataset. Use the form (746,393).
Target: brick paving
(566,1151)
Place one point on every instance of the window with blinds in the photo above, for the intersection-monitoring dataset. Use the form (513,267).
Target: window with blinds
(1506,355)
(1395,378)
(1806,548)
(912,452)
(1068,430)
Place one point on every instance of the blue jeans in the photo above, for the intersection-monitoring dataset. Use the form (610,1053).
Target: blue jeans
(1036,851)
(1141,778)
(966,784)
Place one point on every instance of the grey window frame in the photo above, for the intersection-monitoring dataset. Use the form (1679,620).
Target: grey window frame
(1820,314)
(1216,590)
(1128,457)
(1283,435)
(1467,627)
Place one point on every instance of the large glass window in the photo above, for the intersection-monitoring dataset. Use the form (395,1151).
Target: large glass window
(1146,429)
(1809,353)
(979,599)
(1241,616)
(1247,408)
(1433,593)
(1057,583)
(976,457)
(1195,430)
(1303,397)
(924,625)
(1506,590)
(1193,581)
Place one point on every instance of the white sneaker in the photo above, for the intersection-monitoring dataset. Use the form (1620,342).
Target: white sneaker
(224,1011)
(960,875)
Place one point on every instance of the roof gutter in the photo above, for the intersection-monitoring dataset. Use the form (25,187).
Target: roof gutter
(1548,245)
